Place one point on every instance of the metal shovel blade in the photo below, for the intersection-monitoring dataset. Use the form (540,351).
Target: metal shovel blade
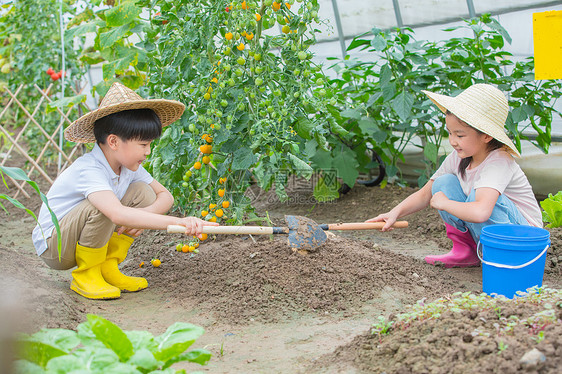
(304,233)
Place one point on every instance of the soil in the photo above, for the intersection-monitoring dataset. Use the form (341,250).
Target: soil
(266,307)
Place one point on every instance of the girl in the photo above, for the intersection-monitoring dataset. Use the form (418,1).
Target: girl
(479,183)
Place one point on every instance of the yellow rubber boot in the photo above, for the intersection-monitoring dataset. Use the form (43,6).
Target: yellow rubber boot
(87,280)
(117,250)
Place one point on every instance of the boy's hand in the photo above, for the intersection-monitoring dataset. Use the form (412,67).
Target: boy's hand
(135,233)
(194,225)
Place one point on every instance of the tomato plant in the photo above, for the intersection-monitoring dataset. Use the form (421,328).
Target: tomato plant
(254,112)
(30,44)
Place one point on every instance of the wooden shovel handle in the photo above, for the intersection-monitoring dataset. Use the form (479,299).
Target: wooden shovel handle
(253,230)
(365,225)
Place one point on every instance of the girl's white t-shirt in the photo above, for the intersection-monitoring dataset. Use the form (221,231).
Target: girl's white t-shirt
(500,172)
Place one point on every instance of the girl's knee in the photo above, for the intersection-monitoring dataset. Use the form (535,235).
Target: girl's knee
(441,183)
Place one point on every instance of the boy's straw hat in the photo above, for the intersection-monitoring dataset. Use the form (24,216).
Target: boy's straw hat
(482,106)
(117,99)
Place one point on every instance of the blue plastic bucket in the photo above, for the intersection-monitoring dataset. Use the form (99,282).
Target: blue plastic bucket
(513,258)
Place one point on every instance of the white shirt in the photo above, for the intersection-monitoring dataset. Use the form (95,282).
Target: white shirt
(89,173)
(500,172)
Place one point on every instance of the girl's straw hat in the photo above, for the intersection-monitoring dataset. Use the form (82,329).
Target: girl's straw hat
(482,106)
(117,99)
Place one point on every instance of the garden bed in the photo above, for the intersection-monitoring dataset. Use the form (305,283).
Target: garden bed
(299,312)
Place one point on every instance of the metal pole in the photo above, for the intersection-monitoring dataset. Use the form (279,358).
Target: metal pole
(61,132)
(341,36)
(397,13)
(471,11)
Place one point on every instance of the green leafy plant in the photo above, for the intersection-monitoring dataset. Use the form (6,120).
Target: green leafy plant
(552,210)
(100,346)
(459,302)
(19,175)
(502,346)
(382,106)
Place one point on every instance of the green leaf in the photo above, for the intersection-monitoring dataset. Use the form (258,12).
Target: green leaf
(337,129)
(65,103)
(430,151)
(378,43)
(111,336)
(402,105)
(198,356)
(322,159)
(552,210)
(303,127)
(83,29)
(347,166)
(367,125)
(351,113)
(379,136)
(388,91)
(518,114)
(38,352)
(385,75)
(122,14)
(243,159)
(310,148)
(176,340)
(144,359)
(109,38)
(301,166)
(26,367)
(141,339)
(63,339)
(65,364)
(98,357)
(15,173)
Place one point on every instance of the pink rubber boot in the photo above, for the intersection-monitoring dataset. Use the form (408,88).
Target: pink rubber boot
(462,255)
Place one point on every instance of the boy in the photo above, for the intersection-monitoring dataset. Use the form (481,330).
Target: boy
(109,188)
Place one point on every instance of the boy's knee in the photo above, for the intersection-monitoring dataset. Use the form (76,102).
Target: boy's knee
(440,183)
(139,195)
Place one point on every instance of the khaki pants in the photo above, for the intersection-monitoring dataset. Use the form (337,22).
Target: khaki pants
(86,225)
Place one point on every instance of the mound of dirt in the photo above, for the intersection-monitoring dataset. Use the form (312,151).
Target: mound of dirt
(364,202)
(28,299)
(469,341)
(240,280)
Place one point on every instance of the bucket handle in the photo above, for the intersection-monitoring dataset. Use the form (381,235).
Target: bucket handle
(479,249)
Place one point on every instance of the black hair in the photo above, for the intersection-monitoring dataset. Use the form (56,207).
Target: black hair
(137,124)
(492,145)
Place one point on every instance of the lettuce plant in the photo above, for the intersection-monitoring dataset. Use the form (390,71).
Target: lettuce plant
(100,346)
(552,207)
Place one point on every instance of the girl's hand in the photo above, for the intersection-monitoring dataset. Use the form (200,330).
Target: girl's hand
(194,225)
(438,201)
(389,218)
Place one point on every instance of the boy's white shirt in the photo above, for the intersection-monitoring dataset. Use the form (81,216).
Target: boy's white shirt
(89,173)
(500,172)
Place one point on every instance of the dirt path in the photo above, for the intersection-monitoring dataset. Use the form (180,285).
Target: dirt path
(264,308)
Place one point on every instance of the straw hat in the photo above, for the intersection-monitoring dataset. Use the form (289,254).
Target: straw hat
(482,106)
(117,99)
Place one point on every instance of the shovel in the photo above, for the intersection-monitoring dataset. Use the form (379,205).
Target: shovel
(303,232)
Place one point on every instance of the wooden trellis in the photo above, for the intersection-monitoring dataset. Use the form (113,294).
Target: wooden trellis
(17,143)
